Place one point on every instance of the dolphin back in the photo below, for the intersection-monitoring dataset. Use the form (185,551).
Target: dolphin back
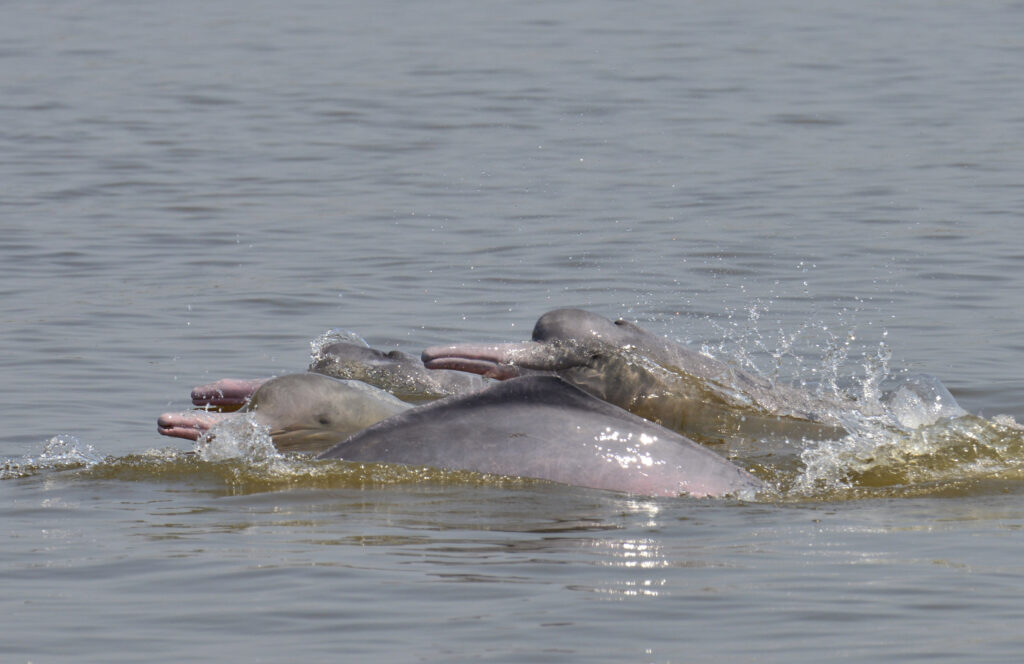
(542,427)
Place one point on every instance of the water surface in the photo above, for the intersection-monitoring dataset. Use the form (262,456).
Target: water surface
(198,190)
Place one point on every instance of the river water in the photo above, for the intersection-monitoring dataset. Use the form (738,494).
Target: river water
(826,193)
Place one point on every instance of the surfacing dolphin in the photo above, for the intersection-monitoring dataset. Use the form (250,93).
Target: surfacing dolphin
(305,412)
(653,377)
(396,372)
(399,373)
(544,428)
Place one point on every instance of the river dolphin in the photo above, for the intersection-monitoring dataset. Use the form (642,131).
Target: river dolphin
(653,377)
(542,427)
(396,372)
(305,412)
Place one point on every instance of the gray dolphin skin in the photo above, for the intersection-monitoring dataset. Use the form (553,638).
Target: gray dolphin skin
(650,376)
(541,427)
(305,412)
(396,372)
(399,373)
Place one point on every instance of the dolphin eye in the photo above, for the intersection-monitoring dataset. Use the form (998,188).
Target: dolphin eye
(323,420)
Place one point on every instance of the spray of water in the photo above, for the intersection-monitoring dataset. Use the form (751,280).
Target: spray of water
(61,452)
(333,336)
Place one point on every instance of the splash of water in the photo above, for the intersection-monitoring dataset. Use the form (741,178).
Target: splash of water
(905,434)
(240,438)
(966,448)
(61,452)
(333,336)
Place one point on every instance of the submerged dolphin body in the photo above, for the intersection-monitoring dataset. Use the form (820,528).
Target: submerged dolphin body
(541,427)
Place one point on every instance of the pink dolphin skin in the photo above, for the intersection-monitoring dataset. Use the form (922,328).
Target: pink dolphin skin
(226,392)
(189,424)
(532,426)
(544,428)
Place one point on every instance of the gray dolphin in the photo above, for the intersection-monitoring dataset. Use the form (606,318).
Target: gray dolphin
(396,372)
(653,377)
(541,427)
(305,412)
